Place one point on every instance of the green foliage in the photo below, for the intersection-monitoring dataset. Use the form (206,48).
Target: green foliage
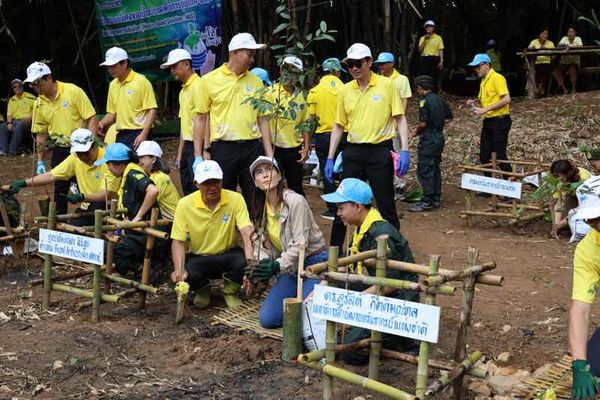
(593,21)
(544,193)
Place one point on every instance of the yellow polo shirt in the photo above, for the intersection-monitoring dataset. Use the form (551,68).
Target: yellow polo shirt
(222,93)
(535,44)
(586,268)
(496,58)
(369,116)
(20,107)
(62,115)
(210,232)
(274,228)
(322,102)
(130,100)
(492,87)
(433,45)
(283,130)
(402,86)
(189,97)
(167,194)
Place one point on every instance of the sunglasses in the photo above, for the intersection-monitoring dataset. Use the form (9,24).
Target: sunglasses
(355,63)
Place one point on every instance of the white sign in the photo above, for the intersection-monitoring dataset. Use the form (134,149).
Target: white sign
(383,314)
(486,184)
(74,247)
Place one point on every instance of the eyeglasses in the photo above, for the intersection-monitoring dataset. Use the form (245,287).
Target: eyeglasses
(355,63)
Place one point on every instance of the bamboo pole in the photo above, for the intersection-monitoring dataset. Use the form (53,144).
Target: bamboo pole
(526,207)
(96,278)
(323,266)
(148,257)
(466,306)
(142,287)
(133,225)
(110,249)
(527,218)
(48,261)
(330,330)
(12,236)
(120,295)
(477,372)
(66,217)
(469,271)
(107,298)
(487,214)
(469,207)
(299,282)
(292,328)
(395,283)
(495,175)
(376,336)
(61,278)
(498,172)
(423,364)
(457,373)
(316,355)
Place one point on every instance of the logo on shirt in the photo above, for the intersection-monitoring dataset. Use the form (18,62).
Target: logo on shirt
(332,83)
(376,97)
(248,89)
(65,104)
(129,92)
(97,175)
(225,218)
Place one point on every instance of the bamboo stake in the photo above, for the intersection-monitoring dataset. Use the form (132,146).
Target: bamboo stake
(466,306)
(330,330)
(395,283)
(494,175)
(182,289)
(469,207)
(110,249)
(487,214)
(120,295)
(469,271)
(477,372)
(96,278)
(292,328)
(526,207)
(497,172)
(376,338)
(316,355)
(423,364)
(11,235)
(148,257)
(107,298)
(299,284)
(323,266)
(48,261)
(457,373)
(61,278)
(128,282)
(66,217)
(527,218)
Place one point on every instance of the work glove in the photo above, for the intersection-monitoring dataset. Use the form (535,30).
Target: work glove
(266,269)
(16,186)
(329,170)
(197,160)
(403,162)
(41,168)
(75,198)
(584,387)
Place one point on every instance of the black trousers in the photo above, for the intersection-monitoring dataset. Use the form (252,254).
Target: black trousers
(428,65)
(87,220)
(186,172)
(321,143)
(494,139)
(429,153)
(372,163)
(129,252)
(235,158)
(593,353)
(127,136)
(290,168)
(202,268)
(61,188)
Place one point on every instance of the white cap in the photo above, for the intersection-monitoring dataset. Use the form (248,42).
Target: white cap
(490,42)
(588,196)
(113,56)
(175,56)
(358,51)
(429,22)
(149,148)
(81,140)
(244,41)
(207,169)
(36,70)
(263,160)
(16,80)
(294,62)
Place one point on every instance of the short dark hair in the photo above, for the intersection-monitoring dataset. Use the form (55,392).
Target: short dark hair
(566,168)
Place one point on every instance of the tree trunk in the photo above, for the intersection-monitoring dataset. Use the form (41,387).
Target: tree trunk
(387,26)
(235,14)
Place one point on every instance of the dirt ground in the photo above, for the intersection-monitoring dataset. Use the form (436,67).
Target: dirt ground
(59,353)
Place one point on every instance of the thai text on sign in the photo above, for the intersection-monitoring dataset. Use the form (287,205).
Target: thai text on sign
(74,247)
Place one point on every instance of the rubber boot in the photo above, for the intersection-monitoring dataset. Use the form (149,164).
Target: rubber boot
(202,298)
(230,292)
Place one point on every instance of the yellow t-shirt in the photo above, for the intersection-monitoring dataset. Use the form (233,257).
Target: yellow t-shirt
(322,102)
(402,86)
(222,93)
(274,228)
(20,107)
(189,97)
(283,130)
(61,116)
(492,87)
(369,116)
(210,232)
(130,100)
(574,59)
(496,58)
(433,45)
(586,268)
(535,44)
(167,194)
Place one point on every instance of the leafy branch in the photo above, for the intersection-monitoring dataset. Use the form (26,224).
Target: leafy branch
(593,21)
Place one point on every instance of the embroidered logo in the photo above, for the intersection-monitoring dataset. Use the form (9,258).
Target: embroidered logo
(129,92)
(225,218)
(376,97)
(65,104)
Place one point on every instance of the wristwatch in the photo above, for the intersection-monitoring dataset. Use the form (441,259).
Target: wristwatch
(207,150)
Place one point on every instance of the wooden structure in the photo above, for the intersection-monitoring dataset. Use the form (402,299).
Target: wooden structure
(558,378)
(514,209)
(435,282)
(14,235)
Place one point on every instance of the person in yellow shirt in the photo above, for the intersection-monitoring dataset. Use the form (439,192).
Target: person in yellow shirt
(494,105)
(130,103)
(191,142)
(586,281)
(288,131)
(431,49)
(543,66)
(60,109)
(495,55)
(238,133)
(210,219)
(15,132)
(385,65)
(322,107)
(569,64)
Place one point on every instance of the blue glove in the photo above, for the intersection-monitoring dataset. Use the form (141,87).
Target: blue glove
(41,167)
(403,162)
(329,170)
(197,160)
(338,165)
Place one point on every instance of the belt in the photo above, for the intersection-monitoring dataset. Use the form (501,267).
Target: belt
(320,249)
(237,141)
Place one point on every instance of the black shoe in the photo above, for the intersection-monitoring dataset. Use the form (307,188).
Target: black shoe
(420,207)
(436,204)
(482,194)
(329,215)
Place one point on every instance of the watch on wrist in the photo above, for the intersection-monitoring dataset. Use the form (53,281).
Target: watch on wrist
(207,150)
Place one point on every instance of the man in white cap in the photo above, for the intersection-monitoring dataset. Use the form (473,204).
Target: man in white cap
(210,219)
(14,133)
(131,102)
(431,49)
(191,140)
(59,109)
(369,108)
(238,134)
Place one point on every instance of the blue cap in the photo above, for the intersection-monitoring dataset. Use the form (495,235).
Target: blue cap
(262,74)
(114,152)
(350,189)
(332,64)
(480,59)
(384,58)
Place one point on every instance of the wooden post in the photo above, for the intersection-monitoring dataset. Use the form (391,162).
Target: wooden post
(148,257)
(423,365)
(514,201)
(48,260)
(494,175)
(374,354)
(299,284)
(16,249)
(96,279)
(466,306)
(330,330)
(292,316)
(110,249)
